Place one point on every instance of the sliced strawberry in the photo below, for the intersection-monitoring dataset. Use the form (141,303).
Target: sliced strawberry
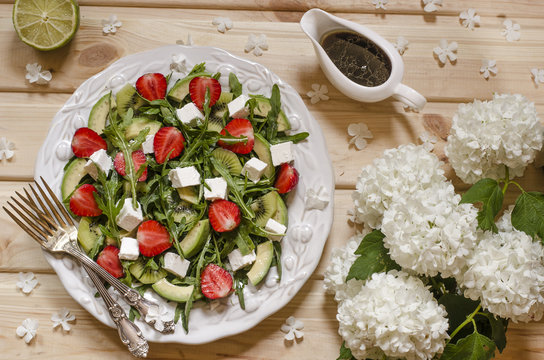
(215,282)
(86,142)
(109,260)
(237,128)
(167,139)
(151,86)
(153,238)
(82,202)
(287,178)
(138,158)
(197,90)
(224,215)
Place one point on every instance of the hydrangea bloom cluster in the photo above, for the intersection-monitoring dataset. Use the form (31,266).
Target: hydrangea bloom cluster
(486,136)
(395,315)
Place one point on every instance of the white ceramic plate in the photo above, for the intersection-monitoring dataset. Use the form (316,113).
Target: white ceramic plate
(308,229)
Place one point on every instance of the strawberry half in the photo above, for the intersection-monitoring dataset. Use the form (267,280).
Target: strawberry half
(167,139)
(197,90)
(237,128)
(215,282)
(138,159)
(109,260)
(82,202)
(86,142)
(287,178)
(224,215)
(151,86)
(153,238)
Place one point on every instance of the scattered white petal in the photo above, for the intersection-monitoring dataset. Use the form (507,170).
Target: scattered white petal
(179,63)
(428,140)
(189,41)
(401,45)
(292,329)
(380,4)
(318,93)
(160,313)
(360,133)
(316,199)
(223,24)
(431,5)
(469,19)
(62,318)
(538,78)
(489,67)
(511,30)
(110,26)
(256,43)
(34,74)
(446,51)
(27,281)
(6,152)
(28,329)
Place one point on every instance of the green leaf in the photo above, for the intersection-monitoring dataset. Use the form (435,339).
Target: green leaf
(498,330)
(528,214)
(458,308)
(345,353)
(489,193)
(473,347)
(235,85)
(374,258)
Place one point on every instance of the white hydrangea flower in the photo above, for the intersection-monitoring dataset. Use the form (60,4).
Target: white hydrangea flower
(318,93)
(538,76)
(34,74)
(292,329)
(486,136)
(393,315)
(469,19)
(110,26)
(511,31)
(401,45)
(398,172)
(179,63)
(27,282)
(62,318)
(489,67)
(431,5)
(379,4)
(429,232)
(256,43)
(446,51)
(360,133)
(28,329)
(223,23)
(505,221)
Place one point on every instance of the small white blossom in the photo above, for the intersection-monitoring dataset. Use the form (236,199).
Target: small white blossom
(316,199)
(489,67)
(6,149)
(34,74)
(223,24)
(431,5)
(179,63)
(62,318)
(538,76)
(351,216)
(110,26)
(28,329)
(469,19)
(27,282)
(318,93)
(511,31)
(160,313)
(401,45)
(446,50)
(256,43)
(428,140)
(380,4)
(292,329)
(360,133)
(340,262)
(189,41)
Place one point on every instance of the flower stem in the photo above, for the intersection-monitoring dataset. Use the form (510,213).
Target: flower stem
(469,319)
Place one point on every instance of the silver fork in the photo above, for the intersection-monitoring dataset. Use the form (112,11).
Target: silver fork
(60,236)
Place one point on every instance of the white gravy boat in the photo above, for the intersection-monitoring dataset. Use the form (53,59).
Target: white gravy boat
(316,23)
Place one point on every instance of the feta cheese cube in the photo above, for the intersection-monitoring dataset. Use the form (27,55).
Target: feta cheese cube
(175,264)
(238,108)
(130,249)
(282,153)
(129,217)
(238,261)
(254,169)
(147,145)
(190,114)
(184,176)
(275,227)
(101,159)
(218,189)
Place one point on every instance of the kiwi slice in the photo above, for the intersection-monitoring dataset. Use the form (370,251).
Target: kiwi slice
(264,207)
(127,98)
(281,214)
(183,210)
(146,275)
(215,122)
(228,159)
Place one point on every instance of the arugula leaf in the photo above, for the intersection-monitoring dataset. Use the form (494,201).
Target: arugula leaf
(474,347)
(296,138)
(488,192)
(272,118)
(277,257)
(528,214)
(108,201)
(374,257)
(345,353)
(235,86)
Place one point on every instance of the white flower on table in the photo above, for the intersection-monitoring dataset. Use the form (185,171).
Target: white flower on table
(28,329)
(318,93)
(27,281)
(469,19)
(428,140)
(292,329)
(446,50)
(316,199)
(257,44)
(110,26)
(489,67)
(179,63)
(360,133)
(511,31)
(380,4)
(6,150)
(431,5)
(538,77)
(160,313)
(223,23)
(62,318)
(34,74)
(401,45)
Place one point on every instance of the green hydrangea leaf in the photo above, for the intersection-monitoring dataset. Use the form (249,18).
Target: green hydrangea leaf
(489,193)
(528,214)
(473,347)
(345,353)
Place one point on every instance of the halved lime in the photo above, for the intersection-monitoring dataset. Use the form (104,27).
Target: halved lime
(46,24)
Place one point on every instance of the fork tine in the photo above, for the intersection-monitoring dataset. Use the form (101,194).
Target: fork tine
(24,227)
(32,216)
(52,208)
(29,201)
(37,229)
(59,205)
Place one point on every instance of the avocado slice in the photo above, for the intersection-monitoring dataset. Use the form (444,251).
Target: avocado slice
(88,233)
(138,124)
(193,242)
(173,292)
(73,174)
(265,254)
(191,194)
(262,149)
(281,214)
(180,89)
(99,113)
(262,109)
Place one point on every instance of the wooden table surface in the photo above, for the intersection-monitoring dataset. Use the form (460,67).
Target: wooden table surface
(26,111)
